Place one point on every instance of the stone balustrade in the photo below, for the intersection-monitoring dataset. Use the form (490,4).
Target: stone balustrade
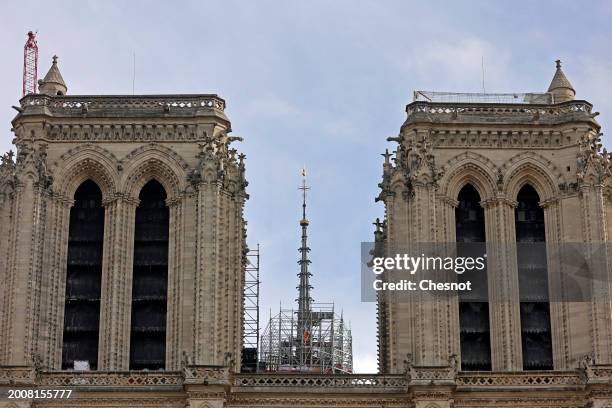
(498,112)
(315,381)
(213,375)
(80,104)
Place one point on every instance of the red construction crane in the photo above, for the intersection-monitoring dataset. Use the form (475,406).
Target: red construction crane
(30,64)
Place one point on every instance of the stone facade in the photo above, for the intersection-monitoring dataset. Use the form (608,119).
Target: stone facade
(183,142)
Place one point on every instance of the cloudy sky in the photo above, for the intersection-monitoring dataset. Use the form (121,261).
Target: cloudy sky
(314,83)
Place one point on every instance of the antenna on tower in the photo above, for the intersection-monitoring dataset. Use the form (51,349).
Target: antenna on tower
(133,72)
(483,74)
(30,64)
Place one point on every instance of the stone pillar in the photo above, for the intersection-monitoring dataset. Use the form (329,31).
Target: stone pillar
(206,319)
(398,334)
(175,284)
(25,246)
(116,293)
(559,313)
(429,328)
(447,233)
(188,260)
(594,230)
(502,275)
(238,263)
(54,283)
(6,207)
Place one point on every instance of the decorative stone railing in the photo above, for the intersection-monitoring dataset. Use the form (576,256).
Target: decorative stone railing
(532,111)
(314,381)
(535,379)
(112,379)
(86,103)
(273,382)
(210,375)
(601,374)
(16,375)
(429,375)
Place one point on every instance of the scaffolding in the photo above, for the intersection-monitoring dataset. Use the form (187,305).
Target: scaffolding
(325,348)
(312,338)
(502,98)
(250,334)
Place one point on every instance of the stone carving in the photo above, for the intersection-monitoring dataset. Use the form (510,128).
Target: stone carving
(33,160)
(7,172)
(218,163)
(414,162)
(593,162)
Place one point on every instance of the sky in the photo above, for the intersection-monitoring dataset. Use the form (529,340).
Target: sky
(319,84)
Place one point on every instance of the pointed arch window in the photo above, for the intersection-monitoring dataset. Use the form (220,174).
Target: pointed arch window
(150,280)
(475,340)
(83,278)
(536,335)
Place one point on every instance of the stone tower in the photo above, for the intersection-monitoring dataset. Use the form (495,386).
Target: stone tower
(529,168)
(123,232)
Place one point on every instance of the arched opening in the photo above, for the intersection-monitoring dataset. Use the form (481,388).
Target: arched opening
(536,336)
(150,280)
(83,279)
(474,326)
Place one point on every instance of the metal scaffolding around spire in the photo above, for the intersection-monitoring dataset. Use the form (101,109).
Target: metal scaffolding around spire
(313,338)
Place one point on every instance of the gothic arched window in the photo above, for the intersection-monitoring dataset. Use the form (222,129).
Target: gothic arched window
(83,278)
(150,280)
(533,281)
(473,306)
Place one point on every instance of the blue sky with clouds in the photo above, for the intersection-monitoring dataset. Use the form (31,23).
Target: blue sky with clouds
(314,83)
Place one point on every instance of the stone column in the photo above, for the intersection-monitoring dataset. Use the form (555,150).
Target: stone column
(188,261)
(54,283)
(559,313)
(398,335)
(23,265)
(430,310)
(175,284)
(447,233)
(502,275)
(6,207)
(594,230)
(206,318)
(116,293)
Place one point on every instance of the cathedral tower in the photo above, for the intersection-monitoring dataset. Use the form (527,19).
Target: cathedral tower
(503,169)
(123,232)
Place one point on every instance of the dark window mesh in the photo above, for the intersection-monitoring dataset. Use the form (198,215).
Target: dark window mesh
(150,280)
(83,277)
(473,316)
(533,282)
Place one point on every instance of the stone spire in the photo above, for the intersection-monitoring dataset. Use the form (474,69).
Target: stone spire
(304,300)
(53,84)
(560,87)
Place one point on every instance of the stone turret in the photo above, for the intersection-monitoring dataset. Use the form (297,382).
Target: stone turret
(53,84)
(560,87)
